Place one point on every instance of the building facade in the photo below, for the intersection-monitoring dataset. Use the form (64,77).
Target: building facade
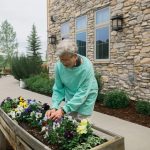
(121,56)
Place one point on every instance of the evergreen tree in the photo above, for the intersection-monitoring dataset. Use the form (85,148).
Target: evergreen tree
(8,42)
(34,46)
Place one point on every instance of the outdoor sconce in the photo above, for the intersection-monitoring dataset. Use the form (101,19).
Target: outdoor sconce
(52,39)
(53,18)
(117,22)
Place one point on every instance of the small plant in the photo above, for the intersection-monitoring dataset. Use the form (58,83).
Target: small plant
(116,99)
(23,67)
(8,104)
(40,83)
(143,107)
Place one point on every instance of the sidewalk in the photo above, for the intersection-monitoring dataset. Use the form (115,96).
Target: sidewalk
(137,137)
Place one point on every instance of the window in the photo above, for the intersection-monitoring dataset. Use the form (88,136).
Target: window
(81,27)
(102,33)
(65,30)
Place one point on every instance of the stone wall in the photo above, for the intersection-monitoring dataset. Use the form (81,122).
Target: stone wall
(129,64)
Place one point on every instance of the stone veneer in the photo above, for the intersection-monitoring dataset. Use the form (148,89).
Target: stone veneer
(129,64)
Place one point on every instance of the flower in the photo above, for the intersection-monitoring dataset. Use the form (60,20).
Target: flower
(23,104)
(69,134)
(84,122)
(32,113)
(12,114)
(38,115)
(45,106)
(28,110)
(82,127)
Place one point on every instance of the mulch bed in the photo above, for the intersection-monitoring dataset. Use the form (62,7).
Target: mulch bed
(128,113)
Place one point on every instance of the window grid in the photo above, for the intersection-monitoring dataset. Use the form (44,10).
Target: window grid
(65,30)
(99,48)
(82,47)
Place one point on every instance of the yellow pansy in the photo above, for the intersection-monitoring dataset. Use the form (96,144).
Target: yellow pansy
(84,122)
(25,105)
(21,104)
(21,99)
(82,129)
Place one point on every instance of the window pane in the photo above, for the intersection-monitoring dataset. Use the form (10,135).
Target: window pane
(81,43)
(102,43)
(102,15)
(81,23)
(65,29)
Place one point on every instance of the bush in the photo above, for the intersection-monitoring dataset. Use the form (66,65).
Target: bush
(23,67)
(143,107)
(40,83)
(116,99)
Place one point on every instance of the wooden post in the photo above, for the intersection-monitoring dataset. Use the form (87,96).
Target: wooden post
(3,141)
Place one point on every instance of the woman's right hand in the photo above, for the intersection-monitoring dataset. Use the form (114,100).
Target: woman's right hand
(49,113)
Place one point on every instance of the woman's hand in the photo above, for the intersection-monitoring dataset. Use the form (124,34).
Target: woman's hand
(54,114)
(49,113)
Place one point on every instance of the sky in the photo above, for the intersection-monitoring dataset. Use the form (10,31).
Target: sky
(22,14)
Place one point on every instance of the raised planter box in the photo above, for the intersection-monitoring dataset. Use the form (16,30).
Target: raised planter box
(19,139)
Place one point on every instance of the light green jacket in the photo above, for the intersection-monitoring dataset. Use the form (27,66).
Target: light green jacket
(77,86)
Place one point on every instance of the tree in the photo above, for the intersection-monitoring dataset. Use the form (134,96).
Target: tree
(8,42)
(33,48)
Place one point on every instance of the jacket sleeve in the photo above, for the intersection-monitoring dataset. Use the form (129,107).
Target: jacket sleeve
(58,90)
(81,95)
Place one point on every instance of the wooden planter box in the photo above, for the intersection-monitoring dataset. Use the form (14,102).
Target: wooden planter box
(19,139)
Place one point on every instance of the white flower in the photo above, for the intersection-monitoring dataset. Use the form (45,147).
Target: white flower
(12,114)
(38,115)
(32,113)
(43,128)
(16,100)
(56,125)
(19,109)
(46,135)
(18,114)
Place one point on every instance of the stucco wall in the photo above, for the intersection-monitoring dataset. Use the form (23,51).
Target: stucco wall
(129,65)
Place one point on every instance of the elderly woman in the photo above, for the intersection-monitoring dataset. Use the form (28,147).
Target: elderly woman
(74,82)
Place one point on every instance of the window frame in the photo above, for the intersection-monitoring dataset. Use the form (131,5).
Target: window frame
(81,30)
(99,26)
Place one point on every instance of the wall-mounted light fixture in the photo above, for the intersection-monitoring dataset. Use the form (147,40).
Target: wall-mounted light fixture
(117,22)
(53,18)
(52,39)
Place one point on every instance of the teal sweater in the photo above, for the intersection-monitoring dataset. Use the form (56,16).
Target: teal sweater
(77,86)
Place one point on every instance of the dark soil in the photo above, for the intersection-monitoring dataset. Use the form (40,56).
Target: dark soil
(128,113)
(36,133)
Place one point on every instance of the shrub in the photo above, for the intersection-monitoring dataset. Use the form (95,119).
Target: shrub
(143,107)
(23,67)
(116,99)
(40,83)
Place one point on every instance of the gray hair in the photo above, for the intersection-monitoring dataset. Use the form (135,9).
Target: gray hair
(66,46)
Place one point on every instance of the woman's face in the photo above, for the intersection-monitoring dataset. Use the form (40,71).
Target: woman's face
(68,60)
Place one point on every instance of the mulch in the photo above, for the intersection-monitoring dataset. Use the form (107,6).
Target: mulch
(128,113)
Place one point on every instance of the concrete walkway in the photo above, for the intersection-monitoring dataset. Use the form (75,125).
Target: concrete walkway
(137,137)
